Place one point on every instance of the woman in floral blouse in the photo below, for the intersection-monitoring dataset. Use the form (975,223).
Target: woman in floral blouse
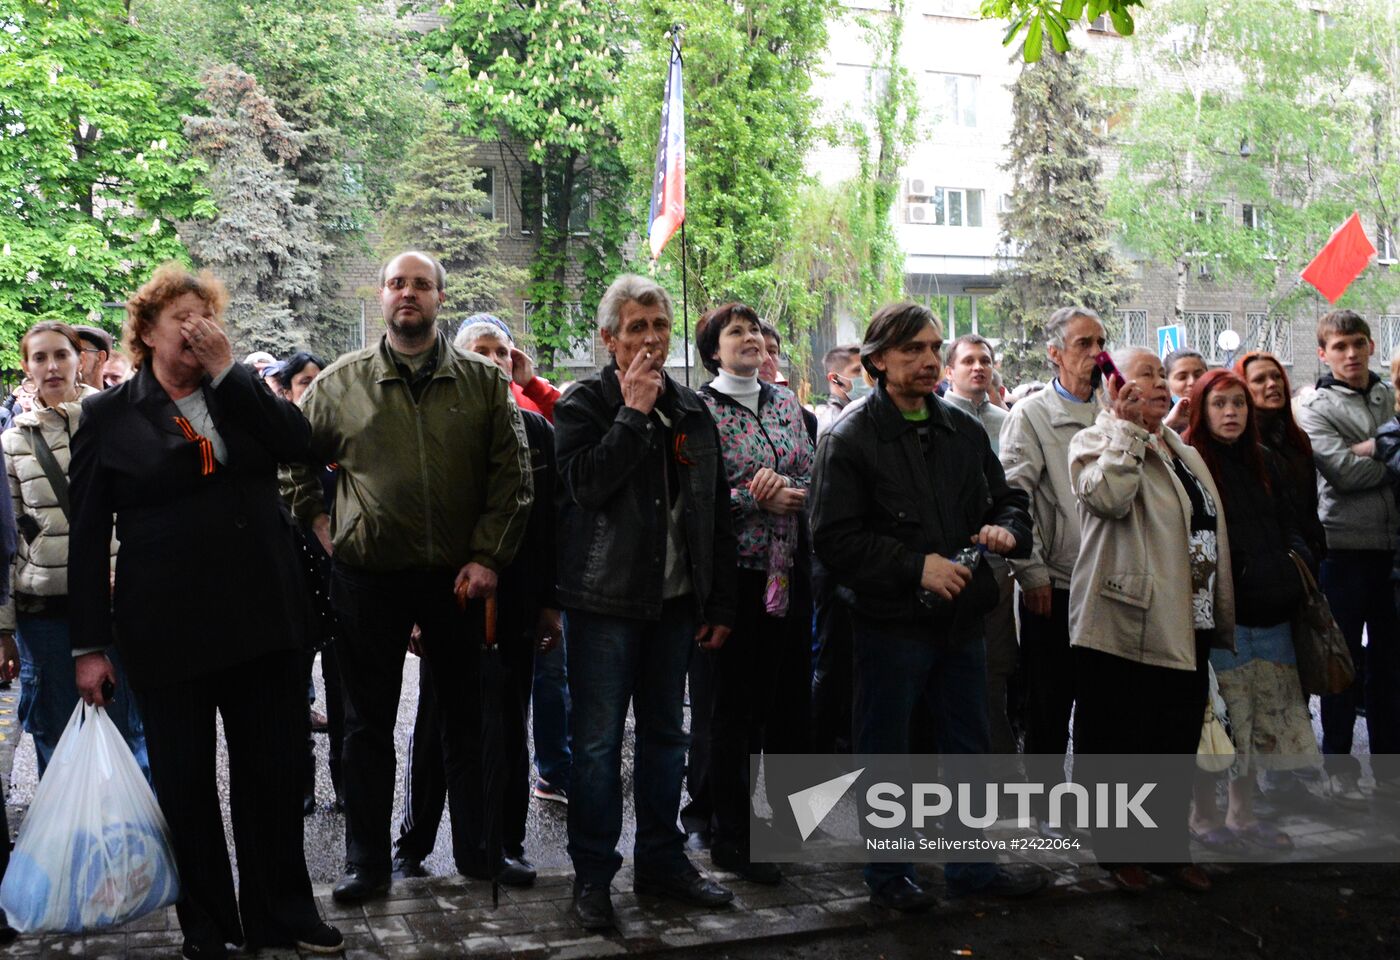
(768,458)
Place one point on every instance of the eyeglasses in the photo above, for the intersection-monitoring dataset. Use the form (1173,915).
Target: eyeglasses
(92,350)
(419,284)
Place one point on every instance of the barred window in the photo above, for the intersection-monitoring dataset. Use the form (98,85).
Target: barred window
(1272,334)
(1133,328)
(1203,330)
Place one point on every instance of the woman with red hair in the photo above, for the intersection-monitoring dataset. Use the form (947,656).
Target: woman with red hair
(1259,680)
(1271,393)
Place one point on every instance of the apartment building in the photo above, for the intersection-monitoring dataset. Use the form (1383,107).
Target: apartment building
(954,191)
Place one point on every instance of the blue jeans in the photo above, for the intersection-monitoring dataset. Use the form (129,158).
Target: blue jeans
(897,664)
(49,690)
(550,717)
(614,660)
(1359,590)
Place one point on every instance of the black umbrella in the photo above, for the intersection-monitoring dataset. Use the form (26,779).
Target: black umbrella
(493,772)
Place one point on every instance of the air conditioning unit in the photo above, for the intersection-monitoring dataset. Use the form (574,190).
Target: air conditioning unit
(920,213)
(918,187)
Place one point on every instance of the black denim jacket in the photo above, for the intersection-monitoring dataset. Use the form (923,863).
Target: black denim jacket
(613,504)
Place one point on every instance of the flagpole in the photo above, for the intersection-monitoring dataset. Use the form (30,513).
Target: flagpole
(685,285)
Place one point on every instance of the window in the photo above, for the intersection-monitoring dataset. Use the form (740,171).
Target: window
(990,322)
(535,210)
(1202,332)
(1004,203)
(1135,333)
(954,96)
(861,87)
(1387,330)
(1385,245)
(947,207)
(486,183)
(1257,219)
(1272,334)
(581,349)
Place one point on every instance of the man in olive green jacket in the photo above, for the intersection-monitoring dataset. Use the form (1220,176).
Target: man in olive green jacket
(432,495)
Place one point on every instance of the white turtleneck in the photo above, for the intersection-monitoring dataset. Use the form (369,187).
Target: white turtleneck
(743,389)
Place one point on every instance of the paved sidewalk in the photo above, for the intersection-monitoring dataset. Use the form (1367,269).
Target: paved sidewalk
(453,917)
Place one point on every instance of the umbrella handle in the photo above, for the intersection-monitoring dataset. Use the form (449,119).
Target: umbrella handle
(461,595)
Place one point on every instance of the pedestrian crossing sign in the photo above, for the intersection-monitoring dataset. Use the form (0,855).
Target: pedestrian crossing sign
(1169,338)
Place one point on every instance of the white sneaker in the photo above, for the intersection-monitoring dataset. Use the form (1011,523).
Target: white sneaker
(1344,788)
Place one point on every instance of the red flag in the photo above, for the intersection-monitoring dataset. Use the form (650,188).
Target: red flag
(1341,261)
(668,187)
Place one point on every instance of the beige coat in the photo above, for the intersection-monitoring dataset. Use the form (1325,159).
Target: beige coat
(1035,454)
(1130,595)
(41,566)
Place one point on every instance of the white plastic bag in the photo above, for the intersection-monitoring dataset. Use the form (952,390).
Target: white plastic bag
(94,849)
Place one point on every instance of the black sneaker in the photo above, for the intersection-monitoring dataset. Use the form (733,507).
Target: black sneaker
(322,938)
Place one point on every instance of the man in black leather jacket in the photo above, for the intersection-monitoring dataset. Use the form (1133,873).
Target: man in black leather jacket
(646,575)
(903,482)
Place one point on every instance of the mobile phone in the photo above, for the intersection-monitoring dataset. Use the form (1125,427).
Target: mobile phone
(1103,367)
(109,692)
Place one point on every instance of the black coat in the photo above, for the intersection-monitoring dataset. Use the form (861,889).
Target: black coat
(207,574)
(528,584)
(877,511)
(1262,529)
(612,496)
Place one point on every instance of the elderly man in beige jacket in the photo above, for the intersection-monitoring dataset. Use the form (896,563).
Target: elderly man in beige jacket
(1035,454)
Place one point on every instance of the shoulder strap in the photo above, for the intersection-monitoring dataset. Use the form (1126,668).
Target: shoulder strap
(57,479)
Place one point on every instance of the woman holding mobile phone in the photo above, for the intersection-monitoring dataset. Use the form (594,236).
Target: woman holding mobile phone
(1150,595)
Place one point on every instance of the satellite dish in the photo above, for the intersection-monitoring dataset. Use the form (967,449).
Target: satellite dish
(1229,341)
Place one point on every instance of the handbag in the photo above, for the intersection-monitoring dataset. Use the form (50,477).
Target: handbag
(1324,659)
(1216,751)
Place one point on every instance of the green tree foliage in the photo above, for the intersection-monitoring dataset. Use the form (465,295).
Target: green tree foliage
(749,123)
(436,208)
(93,166)
(264,242)
(1035,21)
(542,78)
(1248,178)
(343,75)
(1056,239)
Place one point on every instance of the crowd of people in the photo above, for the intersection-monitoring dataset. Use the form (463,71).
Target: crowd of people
(927,563)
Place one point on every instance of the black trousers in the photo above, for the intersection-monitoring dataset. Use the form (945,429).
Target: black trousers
(698,815)
(1049,679)
(263,706)
(832,683)
(426,778)
(377,612)
(749,673)
(335,722)
(1126,707)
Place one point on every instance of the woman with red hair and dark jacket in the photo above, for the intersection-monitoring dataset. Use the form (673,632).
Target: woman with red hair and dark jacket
(1271,394)
(1259,679)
